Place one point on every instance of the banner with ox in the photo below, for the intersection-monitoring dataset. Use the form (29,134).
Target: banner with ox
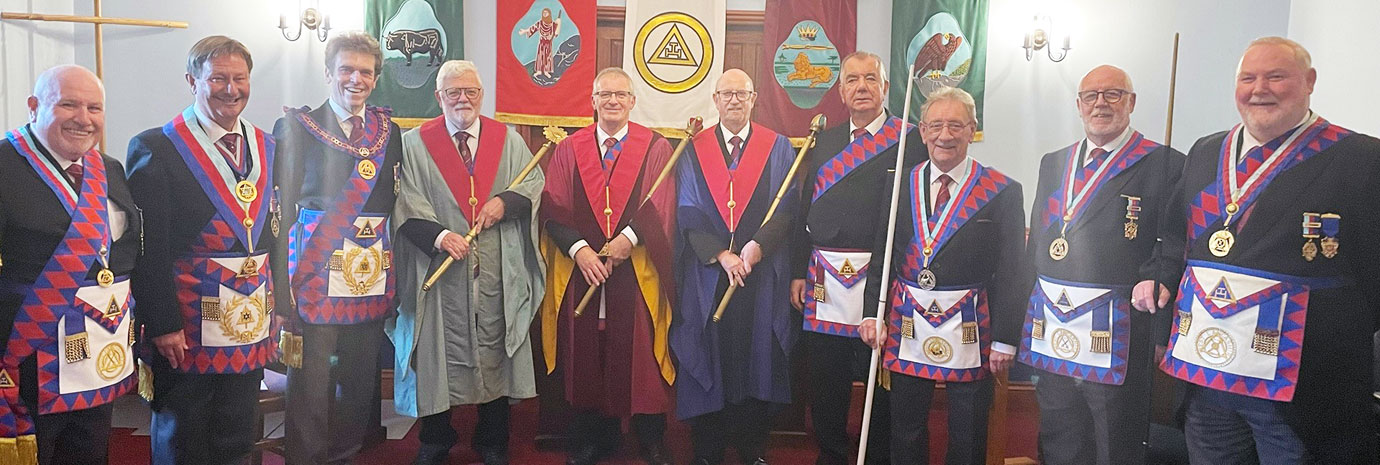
(674,51)
(948,40)
(810,39)
(545,62)
(417,36)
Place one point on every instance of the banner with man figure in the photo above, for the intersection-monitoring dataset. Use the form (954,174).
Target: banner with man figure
(545,62)
(945,43)
(417,36)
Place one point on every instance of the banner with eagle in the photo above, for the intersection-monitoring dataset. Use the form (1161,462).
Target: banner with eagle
(674,51)
(945,43)
(417,36)
(545,62)
(809,39)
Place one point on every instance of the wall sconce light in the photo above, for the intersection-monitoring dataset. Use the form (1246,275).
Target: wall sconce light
(1039,36)
(313,18)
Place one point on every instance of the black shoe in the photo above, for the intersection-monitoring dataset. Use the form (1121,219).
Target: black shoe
(493,457)
(586,455)
(656,454)
(432,454)
(760,461)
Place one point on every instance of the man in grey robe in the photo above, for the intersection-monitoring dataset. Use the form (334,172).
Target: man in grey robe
(465,341)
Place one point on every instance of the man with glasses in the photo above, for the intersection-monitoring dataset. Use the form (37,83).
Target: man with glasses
(846,187)
(338,166)
(614,356)
(1095,224)
(464,341)
(734,373)
(206,279)
(953,292)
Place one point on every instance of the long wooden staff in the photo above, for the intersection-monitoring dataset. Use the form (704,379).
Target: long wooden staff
(1162,385)
(554,135)
(816,125)
(886,270)
(691,128)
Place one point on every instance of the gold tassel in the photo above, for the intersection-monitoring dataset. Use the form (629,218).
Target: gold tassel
(210,308)
(28,449)
(1102,342)
(1185,320)
(74,348)
(290,348)
(9,450)
(970,332)
(1037,329)
(907,327)
(145,382)
(1265,341)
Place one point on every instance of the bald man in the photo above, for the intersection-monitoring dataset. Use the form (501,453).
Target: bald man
(67,246)
(1094,226)
(734,373)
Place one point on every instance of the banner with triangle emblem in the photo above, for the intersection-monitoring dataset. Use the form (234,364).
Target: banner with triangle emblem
(674,52)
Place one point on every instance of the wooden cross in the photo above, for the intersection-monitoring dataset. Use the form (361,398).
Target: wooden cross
(97,20)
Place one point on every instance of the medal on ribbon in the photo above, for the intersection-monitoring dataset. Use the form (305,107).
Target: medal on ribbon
(1238,195)
(931,226)
(1311,230)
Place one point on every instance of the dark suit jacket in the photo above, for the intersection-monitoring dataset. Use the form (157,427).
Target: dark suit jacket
(176,210)
(846,215)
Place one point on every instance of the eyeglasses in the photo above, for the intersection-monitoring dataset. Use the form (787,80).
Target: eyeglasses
(620,95)
(742,95)
(454,93)
(1110,95)
(937,126)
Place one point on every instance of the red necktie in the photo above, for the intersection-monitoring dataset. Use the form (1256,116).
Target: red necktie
(860,132)
(74,172)
(941,198)
(737,153)
(356,129)
(463,139)
(229,148)
(1098,156)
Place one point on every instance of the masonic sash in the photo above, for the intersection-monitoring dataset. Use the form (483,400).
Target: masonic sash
(469,186)
(732,186)
(933,230)
(1078,330)
(939,334)
(1065,205)
(856,153)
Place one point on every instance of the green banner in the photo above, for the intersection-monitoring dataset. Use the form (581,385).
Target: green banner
(949,40)
(417,36)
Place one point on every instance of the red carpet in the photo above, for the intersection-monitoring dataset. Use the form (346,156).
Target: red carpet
(1022,429)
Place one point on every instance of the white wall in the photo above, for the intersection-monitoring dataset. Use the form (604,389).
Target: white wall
(1344,53)
(26,49)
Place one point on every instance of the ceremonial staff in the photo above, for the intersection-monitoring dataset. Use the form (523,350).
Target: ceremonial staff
(816,125)
(554,135)
(691,128)
(886,269)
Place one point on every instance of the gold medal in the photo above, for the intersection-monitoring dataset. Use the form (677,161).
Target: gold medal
(246,191)
(248,269)
(367,169)
(1329,246)
(937,349)
(1059,249)
(1220,243)
(363,151)
(1132,229)
(105,277)
(1310,250)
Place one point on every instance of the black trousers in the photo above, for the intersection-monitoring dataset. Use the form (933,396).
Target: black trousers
(968,408)
(202,418)
(79,437)
(1082,422)
(744,425)
(330,398)
(835,362)
(490,430)
(589,428)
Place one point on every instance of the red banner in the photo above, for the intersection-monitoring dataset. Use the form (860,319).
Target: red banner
(807,40)
(545,62)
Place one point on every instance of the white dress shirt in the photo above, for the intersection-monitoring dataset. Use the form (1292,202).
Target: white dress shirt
(1111,147)
(1249,142)
(872,128)
(342,116)
(728,136)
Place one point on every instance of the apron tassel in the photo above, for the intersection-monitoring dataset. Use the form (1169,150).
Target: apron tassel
(1037,329)
(290,346)
(75,348)
(970,335)
(1265,341)
(1185,320)
(1102,342)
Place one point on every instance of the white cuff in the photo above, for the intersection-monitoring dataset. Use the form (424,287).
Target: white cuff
(628,233)
(580,244)
(437,243)
(1004,348)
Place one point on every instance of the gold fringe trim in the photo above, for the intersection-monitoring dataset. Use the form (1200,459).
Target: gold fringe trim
(290,348)
(544,120)
(970,335)
(210,308)
(1185,320)
(1265,341)
(1037,329)
(75,348)
(22,450)
(1101,342)
(145,382)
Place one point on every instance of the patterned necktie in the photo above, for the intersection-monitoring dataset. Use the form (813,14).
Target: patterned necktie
(736,154)
(1249,163)
(229,147)
(463,142)
(860,132)
(1098,156)
(356,130)
(610,152)
(941,197)
(74,173)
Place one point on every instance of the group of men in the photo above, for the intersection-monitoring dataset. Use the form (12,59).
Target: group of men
(431,237)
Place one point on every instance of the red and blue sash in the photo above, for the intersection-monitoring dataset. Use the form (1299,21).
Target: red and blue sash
(197,274)
(608,192)
(464,183)
(1116,321)
(318,234)
(733,185)
(53,295)
(983,184)
(856,153)
(972,308)
(1075,205)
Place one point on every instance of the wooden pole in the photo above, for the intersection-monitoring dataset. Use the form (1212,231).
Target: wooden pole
(94,20)
(1163,386)
(1173,80)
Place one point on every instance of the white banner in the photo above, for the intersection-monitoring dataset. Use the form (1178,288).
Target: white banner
(674,50)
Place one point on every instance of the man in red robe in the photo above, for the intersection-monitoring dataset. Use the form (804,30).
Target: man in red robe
(614,356)
(546,31)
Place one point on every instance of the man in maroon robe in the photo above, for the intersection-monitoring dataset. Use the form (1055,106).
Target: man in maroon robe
(614,356)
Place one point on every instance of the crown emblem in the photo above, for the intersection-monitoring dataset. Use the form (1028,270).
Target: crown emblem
(808,32)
